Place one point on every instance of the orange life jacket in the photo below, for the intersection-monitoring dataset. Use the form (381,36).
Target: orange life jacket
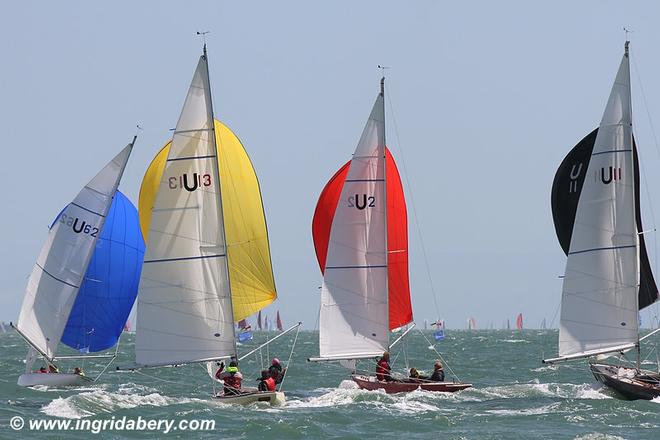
(233,381)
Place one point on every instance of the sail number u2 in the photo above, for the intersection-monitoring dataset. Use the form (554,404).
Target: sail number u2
(361,201)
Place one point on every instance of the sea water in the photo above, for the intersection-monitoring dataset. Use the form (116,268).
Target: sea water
(514,395)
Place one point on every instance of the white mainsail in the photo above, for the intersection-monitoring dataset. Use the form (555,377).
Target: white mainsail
(354,319)
(599,302)
(61,266)
(184,311)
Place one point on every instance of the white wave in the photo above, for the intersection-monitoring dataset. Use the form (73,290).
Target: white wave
(546,409)
(533,389)
(100,401)
(598,436)
(656,400)
(546,367)
(46,388)
(66,408)
(514,341)
(333,397)
(348,393)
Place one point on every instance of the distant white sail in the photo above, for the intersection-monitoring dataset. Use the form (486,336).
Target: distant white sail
(184,309)
(61,266)
(600,292)
(354,297)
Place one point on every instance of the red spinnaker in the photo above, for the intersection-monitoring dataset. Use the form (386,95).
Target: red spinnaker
(519,321)
(397,236)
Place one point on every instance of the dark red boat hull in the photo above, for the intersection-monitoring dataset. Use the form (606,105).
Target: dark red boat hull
(631,385)
(370,383)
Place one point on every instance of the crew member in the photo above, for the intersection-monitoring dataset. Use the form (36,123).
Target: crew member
(383,368)
(231,377)
(266,382)
(276,371)
(438,372)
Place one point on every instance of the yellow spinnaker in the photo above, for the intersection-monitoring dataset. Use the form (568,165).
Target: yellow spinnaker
(250,268)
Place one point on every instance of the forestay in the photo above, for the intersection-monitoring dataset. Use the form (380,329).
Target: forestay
(60,268)
(599,301)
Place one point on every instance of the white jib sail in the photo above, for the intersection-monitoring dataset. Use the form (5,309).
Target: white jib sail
(354,298)
(61,266)
(184,311)
(599,300)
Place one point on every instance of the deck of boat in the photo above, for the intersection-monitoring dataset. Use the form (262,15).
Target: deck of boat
(275,398)
(629,382)
(371,383)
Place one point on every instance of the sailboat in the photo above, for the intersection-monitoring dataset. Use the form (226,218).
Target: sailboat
(71,281)
(278,322)
(519,321)
(361,242)
(208,263)
(608,278)
(471,324)
(544,326)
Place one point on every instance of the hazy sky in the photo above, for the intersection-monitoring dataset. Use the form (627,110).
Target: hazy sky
(488,97)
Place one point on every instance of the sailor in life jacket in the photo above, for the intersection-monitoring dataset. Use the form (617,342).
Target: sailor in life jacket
(383,368)
(231,377)
(266,382)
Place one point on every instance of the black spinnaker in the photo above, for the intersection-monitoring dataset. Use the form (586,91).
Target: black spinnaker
(566,189)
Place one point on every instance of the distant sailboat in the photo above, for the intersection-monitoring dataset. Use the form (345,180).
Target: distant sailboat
(360,236)
(280,327)
(439,333)
(65,301)
(519,321)
(471,324)
(598,222)
(543,324)
(208,259)
(245,331)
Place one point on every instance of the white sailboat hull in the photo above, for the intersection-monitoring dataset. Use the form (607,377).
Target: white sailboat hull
(274,398)
(53,379)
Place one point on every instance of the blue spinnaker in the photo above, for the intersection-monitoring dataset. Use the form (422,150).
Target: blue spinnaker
(111,283)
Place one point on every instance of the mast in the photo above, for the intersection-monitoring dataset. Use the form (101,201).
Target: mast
(638,363)
(387,283)
(221,212)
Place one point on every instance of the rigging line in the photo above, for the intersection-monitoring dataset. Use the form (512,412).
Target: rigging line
(413,205)
(657,149)
(288,362)
(439,355)
(646,107)
(552,321)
